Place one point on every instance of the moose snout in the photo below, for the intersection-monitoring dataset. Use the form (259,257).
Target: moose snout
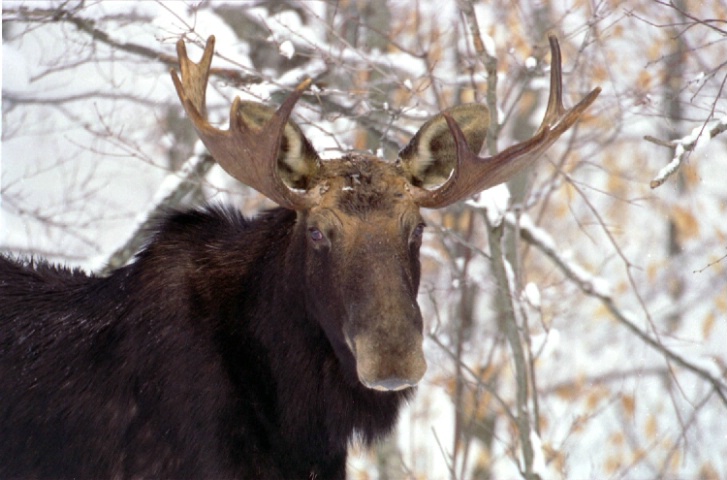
(391,363)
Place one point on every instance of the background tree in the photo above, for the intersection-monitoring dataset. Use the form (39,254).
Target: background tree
(575,317)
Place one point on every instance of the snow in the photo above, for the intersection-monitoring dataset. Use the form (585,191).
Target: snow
(703,137)
(540,235)
(589,282)
(539,467)
(670,168)
(532,294)
(16,72)
(493,201)
(489,43)
(296,75)
(287,49)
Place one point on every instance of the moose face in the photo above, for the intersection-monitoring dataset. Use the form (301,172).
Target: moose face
(362,270)
(359,215)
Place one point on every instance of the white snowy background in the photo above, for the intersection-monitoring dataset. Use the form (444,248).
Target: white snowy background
(620,289)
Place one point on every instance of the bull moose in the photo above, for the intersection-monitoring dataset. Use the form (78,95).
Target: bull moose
(238,348)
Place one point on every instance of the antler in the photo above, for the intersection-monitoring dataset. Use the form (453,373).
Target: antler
(249,155)
(473,174)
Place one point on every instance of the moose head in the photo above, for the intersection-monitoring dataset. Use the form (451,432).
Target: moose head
(359,226)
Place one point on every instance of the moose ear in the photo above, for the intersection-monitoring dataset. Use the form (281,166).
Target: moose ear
(430,157)
(297,161)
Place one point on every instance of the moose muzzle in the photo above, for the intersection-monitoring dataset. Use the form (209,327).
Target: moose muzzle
(389,359)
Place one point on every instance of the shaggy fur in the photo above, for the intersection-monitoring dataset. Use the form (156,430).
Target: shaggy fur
(197,360)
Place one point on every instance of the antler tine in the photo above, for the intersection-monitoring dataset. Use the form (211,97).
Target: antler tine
(248,154)
(473,174)
(194,76)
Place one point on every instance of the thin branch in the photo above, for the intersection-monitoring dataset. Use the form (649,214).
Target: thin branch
(715,262)
(15,99)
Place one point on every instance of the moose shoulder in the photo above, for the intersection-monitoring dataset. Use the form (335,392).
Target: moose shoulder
(244,348)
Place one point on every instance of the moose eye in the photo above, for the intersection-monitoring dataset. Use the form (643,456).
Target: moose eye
(315,234)
(417,233)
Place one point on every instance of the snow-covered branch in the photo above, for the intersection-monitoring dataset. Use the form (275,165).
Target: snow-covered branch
(682,147)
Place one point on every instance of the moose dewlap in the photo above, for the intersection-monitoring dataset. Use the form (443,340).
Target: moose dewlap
(236,348)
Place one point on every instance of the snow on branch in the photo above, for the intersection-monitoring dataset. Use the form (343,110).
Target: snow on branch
(699,137)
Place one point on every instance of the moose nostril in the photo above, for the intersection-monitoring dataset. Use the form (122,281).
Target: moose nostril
(391,384)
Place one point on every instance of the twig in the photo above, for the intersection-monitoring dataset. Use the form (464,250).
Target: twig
(710,264)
